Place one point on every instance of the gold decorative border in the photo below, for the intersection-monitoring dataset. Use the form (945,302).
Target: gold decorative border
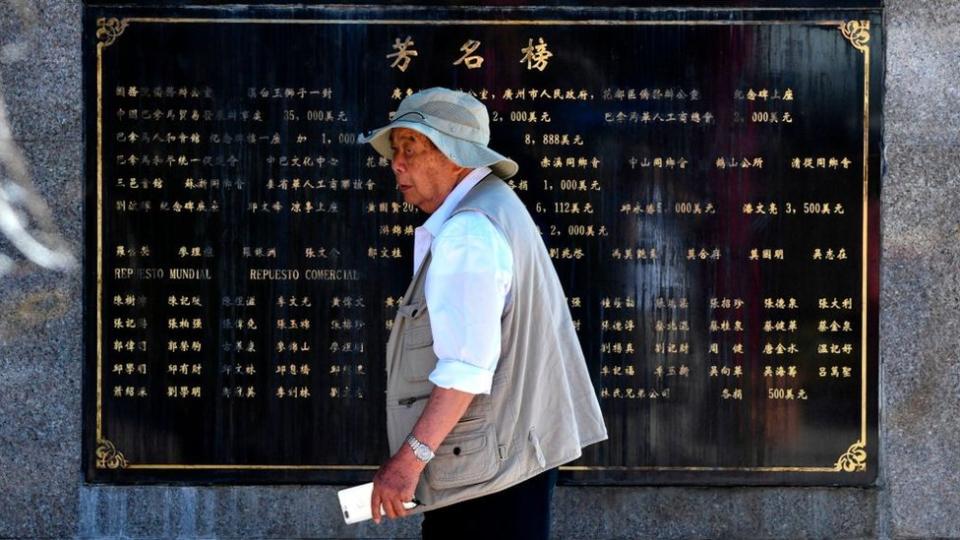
(862,43)
(854,459)
(108,457)
(108,30)
(855,31)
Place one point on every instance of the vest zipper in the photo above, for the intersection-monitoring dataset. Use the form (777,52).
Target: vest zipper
(411,400)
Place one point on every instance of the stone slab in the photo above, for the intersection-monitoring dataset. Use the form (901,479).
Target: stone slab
(43,97)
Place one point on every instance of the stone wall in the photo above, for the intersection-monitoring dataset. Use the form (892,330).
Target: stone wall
(42,494)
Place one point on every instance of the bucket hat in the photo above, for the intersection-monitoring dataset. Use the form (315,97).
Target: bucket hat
(457,124)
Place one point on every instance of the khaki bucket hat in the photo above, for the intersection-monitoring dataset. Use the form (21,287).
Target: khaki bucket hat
(456,122)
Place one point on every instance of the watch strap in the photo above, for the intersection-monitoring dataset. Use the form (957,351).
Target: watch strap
(420,450)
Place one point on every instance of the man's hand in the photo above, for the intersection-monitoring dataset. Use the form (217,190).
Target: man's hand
(394,484)
(396,480)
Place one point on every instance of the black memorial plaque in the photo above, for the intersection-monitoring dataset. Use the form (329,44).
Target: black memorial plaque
(707,183)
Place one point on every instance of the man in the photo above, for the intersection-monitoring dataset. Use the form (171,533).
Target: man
(487,388)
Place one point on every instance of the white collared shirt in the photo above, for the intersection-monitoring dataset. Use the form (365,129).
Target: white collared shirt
(467,286)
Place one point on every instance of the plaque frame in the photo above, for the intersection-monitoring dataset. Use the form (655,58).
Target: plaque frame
(101,455)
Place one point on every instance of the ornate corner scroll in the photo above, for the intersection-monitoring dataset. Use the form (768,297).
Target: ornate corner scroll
(108,457)
(853,460)
(857,33)
(108,30)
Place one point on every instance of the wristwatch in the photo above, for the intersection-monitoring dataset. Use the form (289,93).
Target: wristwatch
(420,450)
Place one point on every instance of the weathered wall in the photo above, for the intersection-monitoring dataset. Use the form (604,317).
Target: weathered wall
(41,489)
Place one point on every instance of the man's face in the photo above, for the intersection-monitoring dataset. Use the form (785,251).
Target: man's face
(424,175)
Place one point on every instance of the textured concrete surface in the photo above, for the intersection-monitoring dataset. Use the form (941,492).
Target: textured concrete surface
(674,512)
(41,490)
(919,321)
(47,99)
(224,512)
(40,313)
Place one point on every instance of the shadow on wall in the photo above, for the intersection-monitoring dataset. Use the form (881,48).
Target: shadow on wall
(28,236)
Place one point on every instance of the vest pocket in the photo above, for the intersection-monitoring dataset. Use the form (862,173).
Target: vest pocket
(464,458)
(417,336)
(478,410)
(413,310)
(418,362)
(418,357)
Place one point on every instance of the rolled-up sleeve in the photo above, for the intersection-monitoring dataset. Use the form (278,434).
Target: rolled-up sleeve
(467,286)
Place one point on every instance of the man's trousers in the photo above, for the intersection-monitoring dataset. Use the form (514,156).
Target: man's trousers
(520,511)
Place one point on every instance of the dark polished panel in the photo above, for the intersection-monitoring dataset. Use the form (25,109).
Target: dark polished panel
(707,183)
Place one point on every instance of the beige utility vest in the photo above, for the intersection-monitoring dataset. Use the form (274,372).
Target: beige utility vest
(542,408)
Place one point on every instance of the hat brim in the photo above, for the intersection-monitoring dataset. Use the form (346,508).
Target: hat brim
(462,152)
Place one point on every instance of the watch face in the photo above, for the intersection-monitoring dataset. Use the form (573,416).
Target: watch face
(420,450)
